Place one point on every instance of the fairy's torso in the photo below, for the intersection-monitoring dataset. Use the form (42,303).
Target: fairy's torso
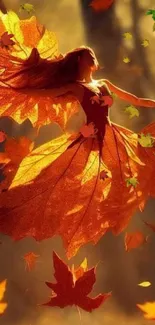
(94,106)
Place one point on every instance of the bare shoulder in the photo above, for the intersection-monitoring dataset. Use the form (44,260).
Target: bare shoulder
(103,84)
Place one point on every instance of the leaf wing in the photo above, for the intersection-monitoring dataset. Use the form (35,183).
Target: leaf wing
(44,183)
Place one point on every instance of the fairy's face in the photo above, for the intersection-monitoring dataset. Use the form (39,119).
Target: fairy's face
(87,65)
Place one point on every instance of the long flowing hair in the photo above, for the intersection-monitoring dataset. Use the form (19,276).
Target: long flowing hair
(38,73)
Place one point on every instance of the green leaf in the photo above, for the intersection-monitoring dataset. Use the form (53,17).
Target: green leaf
(154,27)
(132,182)
(151,12)
(27,7)
(146,141)
(132,111)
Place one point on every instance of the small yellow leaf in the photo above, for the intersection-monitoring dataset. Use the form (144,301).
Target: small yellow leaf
(145,43)
(144,284)
(27,7)
(132,111)
(146,140)
(132,181)
(127,36)
(126,60)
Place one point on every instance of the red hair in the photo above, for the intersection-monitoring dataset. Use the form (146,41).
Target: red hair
(38,73)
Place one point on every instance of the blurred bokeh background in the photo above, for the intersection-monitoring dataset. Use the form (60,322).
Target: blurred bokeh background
(75,24)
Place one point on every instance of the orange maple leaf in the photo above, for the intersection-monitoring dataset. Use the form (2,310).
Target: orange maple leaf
(69,291)
(3,305)
(30,260)
(134,240)
(104,174)
(149,309)
(101,5)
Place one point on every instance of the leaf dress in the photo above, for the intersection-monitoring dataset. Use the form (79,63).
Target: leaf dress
(75,186)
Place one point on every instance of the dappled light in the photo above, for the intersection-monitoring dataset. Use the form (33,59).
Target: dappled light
(77,163)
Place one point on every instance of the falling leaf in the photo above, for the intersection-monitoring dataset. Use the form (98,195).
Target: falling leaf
(151,12)
(88,130)
(2,136)
(28,7)
(149,309)
(3,305)
(132,181)
(146,141)
(132,111)
(69,291)
(145,43)
(6,40)
(30,260)
(134,240)
(126,59)
(127,36)
(145,284)
(104,174)
(101,5)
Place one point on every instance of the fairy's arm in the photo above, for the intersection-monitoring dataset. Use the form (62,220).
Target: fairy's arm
(128,97)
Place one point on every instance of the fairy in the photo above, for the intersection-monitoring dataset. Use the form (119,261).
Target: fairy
(77,186)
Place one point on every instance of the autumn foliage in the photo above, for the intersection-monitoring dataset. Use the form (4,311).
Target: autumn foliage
(78,186)
(28,40)
(73,288)
(101,5)
(3,305)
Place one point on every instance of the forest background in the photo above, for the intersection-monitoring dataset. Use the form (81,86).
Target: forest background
(76,24)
